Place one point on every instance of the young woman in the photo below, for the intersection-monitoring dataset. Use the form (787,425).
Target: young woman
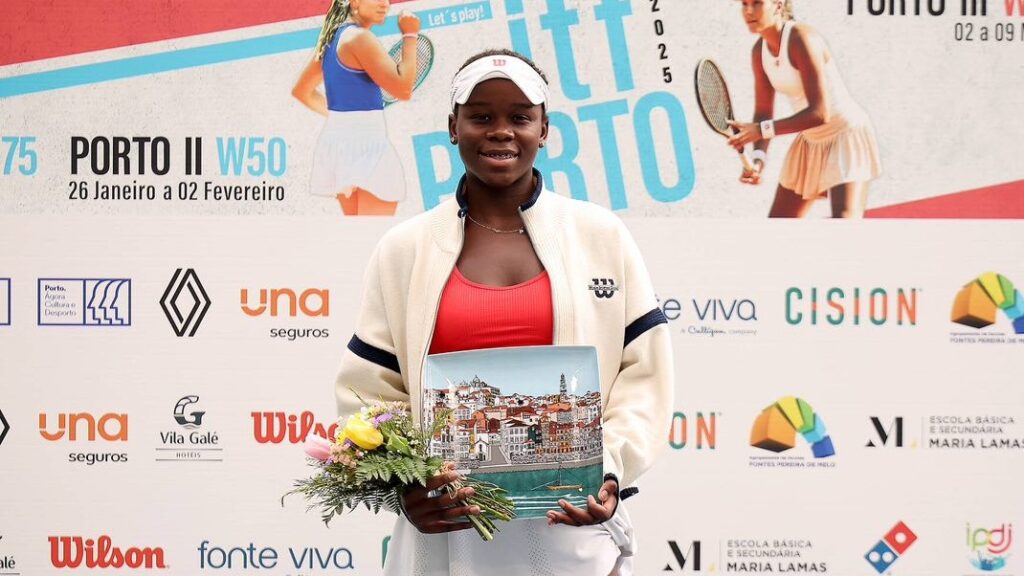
(508,263)
(354,160)
(834,154)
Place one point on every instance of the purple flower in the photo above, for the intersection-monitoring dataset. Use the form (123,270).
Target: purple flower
(378,420)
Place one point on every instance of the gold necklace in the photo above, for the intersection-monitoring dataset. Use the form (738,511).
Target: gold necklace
(495,230)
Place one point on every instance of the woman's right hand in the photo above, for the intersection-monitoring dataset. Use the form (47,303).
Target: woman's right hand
(752,177)
(438,514)
(408,22)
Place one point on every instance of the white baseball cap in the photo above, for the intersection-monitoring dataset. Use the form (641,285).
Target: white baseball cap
(499,66)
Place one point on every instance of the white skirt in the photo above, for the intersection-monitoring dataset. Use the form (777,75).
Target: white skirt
(354,152)
(522,548)
(839,151)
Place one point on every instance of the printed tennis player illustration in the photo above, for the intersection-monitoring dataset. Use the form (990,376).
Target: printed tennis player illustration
(834,154)
(354,160)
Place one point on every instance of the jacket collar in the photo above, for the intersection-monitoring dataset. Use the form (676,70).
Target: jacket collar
(460,194)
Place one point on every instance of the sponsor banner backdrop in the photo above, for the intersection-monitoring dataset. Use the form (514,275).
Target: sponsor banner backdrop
(177,283)
(187,443)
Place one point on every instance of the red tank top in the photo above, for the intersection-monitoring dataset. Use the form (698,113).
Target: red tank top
(472,316)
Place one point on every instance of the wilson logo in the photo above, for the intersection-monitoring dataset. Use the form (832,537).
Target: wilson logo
(72,551)
(500,61)
(110,427)
(603,287)
(312,302)
(277,427)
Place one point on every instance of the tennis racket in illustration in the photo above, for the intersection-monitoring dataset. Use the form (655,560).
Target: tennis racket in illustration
(424,61)
(715,105)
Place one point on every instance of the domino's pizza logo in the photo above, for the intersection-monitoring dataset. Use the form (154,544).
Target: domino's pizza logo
(891,547)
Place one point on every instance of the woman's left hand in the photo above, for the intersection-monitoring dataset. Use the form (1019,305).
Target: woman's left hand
(598,510)
(746,133)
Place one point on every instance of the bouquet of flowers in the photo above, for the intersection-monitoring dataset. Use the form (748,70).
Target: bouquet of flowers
(378,454)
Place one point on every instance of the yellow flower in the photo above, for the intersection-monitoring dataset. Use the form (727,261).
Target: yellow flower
(362,433)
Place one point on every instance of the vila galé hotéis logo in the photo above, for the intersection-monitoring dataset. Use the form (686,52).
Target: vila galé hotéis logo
(282,427)
(253,556)
(711,317)
(7,562)
(851,306)
(192,440)
(284,308)
(87,430)
(87,552)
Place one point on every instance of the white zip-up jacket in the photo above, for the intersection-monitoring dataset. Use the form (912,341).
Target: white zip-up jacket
(601,296)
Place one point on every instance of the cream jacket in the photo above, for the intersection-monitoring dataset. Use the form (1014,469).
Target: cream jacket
(601,296)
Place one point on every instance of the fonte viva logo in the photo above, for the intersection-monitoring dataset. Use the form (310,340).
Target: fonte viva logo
(989,548)
(253,557)
(839,306)
(312,302)
(891,547)
(185,302)
(978,302)
(194,419)
(688,560)
(278,427)
(776,427)
(73,551)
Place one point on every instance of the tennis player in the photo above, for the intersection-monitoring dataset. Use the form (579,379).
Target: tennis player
(354,161)
(834,154)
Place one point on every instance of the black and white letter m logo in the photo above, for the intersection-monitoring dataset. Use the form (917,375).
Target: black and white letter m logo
(894,429)
(692,555)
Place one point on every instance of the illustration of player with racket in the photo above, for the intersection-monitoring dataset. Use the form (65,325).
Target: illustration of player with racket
(354,161)
(834,154)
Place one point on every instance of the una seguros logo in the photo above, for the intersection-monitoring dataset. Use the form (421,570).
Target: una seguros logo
(776,426)
(979,301)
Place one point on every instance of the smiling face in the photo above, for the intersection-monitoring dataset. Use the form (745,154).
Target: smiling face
(498,132)
(370,12)
(761,14)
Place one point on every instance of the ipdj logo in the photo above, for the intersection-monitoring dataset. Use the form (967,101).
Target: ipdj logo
(84,426)
(312,302)
(776,427)
(4,427)
(979,301)
(884,434)
(194,419)
(891,547)
(989,548)
(278,427)
(185,302)
(5,301)
(691,558)
(603,287)
(85,302)
(74,551)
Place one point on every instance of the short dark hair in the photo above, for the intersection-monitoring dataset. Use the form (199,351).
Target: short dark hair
(504,52)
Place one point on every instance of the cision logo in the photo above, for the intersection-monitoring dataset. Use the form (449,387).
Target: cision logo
(191,441)
(84,302)
(185,302)
(773,556)
(891,547)
(284,306)
(85,427)
(775,430)
(712,317)
(989,549)
(698,433)
(5,301)
(75,552)
(979,304)
(851,306)
(254,557)
(278,427)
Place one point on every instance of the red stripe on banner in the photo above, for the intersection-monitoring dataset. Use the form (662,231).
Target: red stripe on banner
(38,29)
(1003,201)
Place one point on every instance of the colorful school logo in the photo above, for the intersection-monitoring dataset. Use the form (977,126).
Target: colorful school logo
(891,548)
(978,301)
(776,427)
(989,549)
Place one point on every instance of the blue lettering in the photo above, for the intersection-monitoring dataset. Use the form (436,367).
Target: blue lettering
(612,12)
(648,151)
(566,161)
(559,20)
(603,115)
(433,189)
